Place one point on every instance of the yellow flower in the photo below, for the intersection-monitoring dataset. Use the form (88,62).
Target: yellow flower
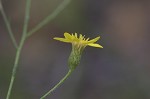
(78,45)
(79,41)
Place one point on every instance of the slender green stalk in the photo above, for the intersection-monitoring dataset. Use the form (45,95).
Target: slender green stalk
(26,20)
(50,17)
(57,85)
(8,26)
(14,71)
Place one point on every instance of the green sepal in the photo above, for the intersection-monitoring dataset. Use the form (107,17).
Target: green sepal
(74,58)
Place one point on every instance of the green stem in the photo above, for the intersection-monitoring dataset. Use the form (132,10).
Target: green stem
(8,26)
(14,71)
(57,85)
(49,17)
(26,20)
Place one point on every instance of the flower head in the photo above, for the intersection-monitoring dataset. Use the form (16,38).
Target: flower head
(79,41)
(78,45)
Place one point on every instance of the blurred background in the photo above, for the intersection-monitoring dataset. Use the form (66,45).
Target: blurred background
(121,70)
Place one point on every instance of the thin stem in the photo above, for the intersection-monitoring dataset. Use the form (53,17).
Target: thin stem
(57,85)
(26,20)
(14,71)
(8,26)
(50,17)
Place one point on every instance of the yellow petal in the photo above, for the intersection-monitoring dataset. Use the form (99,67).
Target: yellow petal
(87,39)
(95,45)
(80,37)
(61,39)
(67,36)
(76,35)
(94,40)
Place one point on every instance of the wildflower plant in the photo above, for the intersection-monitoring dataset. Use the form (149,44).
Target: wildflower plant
(78,45)
(79,42)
